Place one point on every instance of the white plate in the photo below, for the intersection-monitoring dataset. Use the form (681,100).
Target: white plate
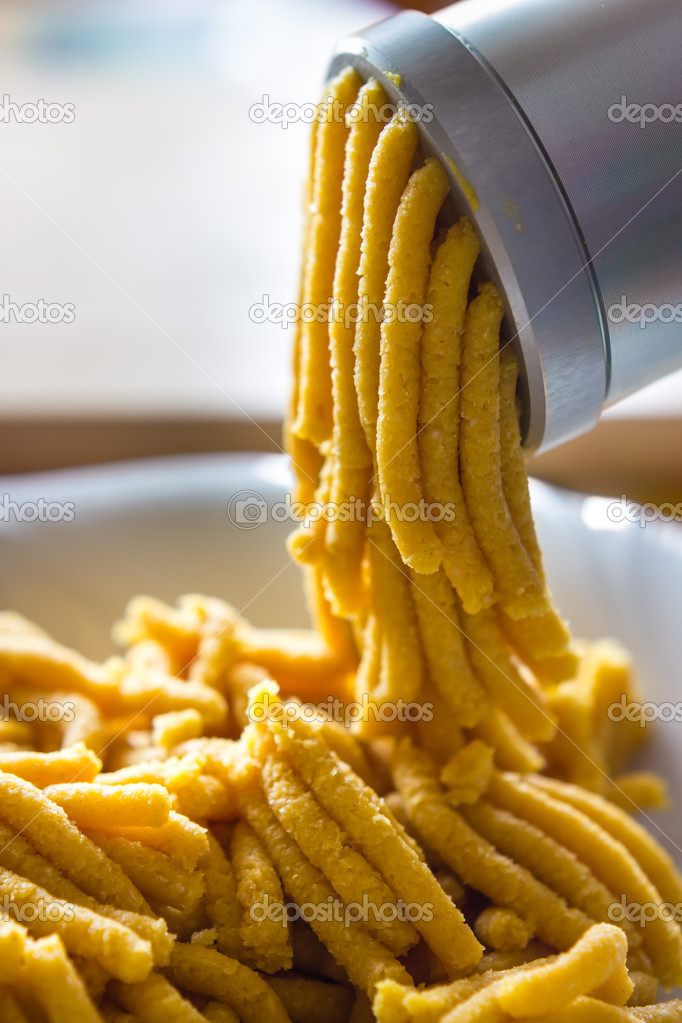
(162,527)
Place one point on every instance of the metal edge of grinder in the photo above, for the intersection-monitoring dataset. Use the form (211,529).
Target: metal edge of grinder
(547,241)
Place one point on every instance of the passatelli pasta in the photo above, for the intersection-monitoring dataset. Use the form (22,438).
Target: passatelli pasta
(416,812)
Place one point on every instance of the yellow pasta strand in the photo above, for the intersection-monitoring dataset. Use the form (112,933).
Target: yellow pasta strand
(397,450)
(521,590)
(387,177)
(439,407)
(313,420)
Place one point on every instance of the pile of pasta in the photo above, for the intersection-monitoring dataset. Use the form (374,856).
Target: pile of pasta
(190,831)
(154,840)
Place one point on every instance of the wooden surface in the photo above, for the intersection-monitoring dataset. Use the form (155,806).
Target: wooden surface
(638,457)
(642,457)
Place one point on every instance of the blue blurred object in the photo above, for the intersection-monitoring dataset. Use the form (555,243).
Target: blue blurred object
(133,31)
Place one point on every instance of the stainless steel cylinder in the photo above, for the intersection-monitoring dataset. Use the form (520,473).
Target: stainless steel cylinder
(565,118)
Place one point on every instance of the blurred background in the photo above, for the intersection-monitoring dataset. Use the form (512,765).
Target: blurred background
(161,212)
